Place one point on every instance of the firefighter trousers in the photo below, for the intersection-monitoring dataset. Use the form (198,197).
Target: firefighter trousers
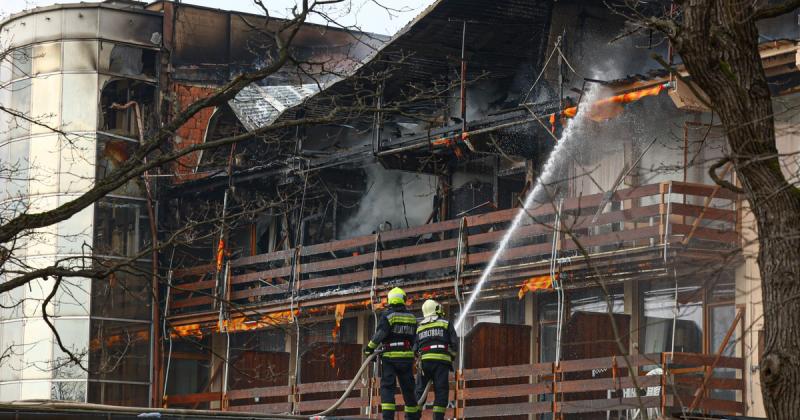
(437,372)
(402,371)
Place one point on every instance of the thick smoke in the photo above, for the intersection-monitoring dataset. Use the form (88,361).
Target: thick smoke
(387,192)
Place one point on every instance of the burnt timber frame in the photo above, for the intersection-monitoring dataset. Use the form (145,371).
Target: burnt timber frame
(637,242)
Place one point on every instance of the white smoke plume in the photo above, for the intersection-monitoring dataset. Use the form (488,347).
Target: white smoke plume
(387,193)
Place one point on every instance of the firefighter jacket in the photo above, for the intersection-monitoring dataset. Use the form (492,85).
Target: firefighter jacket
(396,331)
(436,340)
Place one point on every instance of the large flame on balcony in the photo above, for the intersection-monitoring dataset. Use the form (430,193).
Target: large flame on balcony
(607,108)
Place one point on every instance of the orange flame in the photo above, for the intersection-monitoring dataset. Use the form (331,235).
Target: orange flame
(536,283)
(339,315)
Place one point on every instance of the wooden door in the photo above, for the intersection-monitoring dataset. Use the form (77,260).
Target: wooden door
(588,335)
(490,345)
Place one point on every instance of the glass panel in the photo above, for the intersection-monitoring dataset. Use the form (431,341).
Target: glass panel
(11,304)
(723,288)
(720,320)
(482,311)
(121,227)
(80,102)
(21,103)
(189,372)
(46,58)
(75,233)
(126,295)
(9,392)
(77,170)
(20,31)
(110,155)
(72,297)
(11,346)
(514,311)
(660,314)
(68,391)
(80,23)
(118,394)
(74,335)
(36,290)
(44,156)
(5,99)
(547,342)
(595,300)
(127,27)
(548,306)
(80,56)
(48,25)
(21,62)
(45,103)
(120,351)
(38,390)
(38,352)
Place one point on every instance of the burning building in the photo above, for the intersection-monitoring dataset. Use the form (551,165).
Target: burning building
(519,162)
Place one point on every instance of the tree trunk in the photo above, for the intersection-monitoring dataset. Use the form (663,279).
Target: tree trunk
(718,42)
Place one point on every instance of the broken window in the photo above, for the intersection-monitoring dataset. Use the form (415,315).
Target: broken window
(126,60)
(123,121)
(111,154)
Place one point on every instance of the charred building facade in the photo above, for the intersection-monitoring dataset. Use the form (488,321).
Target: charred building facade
(626,280)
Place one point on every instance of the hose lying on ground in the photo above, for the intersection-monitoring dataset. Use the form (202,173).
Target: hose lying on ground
(353,383)
(63,405)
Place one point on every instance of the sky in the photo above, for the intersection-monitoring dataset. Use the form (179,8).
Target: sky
(368,15)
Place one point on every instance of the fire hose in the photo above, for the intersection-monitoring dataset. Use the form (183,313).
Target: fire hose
(61,405)
(352,385)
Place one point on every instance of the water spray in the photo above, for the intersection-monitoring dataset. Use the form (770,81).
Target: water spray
(548,171)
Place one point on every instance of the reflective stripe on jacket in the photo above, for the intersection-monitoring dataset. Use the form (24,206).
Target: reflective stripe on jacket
(396,331)
(437,340)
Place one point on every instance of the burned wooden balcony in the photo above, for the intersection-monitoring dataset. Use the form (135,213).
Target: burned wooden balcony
(628,234)
(627,385)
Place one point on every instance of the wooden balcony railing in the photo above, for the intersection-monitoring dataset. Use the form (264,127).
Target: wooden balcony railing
(661,383)
(651,216)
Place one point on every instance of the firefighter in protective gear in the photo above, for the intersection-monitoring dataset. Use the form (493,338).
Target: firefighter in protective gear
(396,331)
(436,345)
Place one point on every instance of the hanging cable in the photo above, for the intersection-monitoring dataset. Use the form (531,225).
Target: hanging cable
(457,288)
(666,222)
(373,306)
(295,279)
(674,310)
(167,336)
(555,281)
